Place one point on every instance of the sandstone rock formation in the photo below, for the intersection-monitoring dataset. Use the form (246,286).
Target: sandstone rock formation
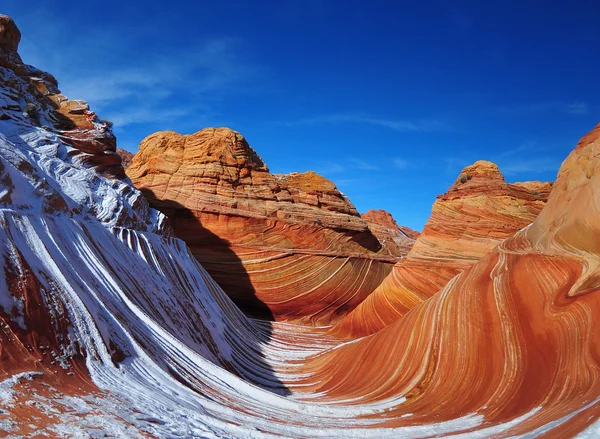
(538,188)
(126,157)
(92,140)
(292,242)
(398,238)
(513,337)
(109,327)
(10,36)
(479,211)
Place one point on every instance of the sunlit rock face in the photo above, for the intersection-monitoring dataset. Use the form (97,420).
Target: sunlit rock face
(479,211)
(513,337)
(399,239)
(289,246)
(109,327)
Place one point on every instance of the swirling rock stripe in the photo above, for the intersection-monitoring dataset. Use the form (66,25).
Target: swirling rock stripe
(468,221)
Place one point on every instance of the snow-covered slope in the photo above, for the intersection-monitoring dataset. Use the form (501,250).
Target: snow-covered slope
(110,327)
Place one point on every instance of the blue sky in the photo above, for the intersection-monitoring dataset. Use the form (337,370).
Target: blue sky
(388,99)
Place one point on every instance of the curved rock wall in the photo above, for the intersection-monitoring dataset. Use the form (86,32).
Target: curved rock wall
(289,247)
(479,211)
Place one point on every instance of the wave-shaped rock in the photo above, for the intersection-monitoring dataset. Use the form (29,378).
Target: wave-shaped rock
(110,327)
(291,242)
(512,338)
(479,211)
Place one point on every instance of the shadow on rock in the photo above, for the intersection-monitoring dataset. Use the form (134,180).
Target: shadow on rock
(226,268)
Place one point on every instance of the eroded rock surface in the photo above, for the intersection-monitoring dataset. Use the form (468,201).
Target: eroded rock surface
(36,94)
(399,239)
(291,242)
(509,338)
(478,212)
(110,327)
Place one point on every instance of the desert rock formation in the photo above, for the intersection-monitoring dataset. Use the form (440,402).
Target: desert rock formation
(389,233)
(512,337)
(91,139)
(126,157)
(110,327)
(293,242)
(479,211)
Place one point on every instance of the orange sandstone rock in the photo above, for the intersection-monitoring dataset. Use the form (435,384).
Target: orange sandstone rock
(538,188)
(479,211)
(399,239)
(291,242)
(514,335)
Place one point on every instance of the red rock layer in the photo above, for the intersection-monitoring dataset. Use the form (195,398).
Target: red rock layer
(92,139)
(538,188)
(398,238)
(478,212)
(34,331)
(126,157)
(515,335)
(10,36)
(291,242)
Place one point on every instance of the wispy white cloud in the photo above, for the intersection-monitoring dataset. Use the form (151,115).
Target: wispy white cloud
(400,163)
(526,160)
(529,158)
(145,115)
(576,107)
(352,165)
(529,166)
(362,165)
(347,182)
(326,168)
(526,148)
(127,85)
(424,125)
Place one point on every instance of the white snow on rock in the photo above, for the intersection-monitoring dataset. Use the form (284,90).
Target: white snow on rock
(194,365)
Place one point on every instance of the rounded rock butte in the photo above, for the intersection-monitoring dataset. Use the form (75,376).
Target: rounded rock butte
(478,212)
(289,247)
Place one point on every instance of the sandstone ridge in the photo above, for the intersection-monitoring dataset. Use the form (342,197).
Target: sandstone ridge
(476,213)
(215,170)
(385,228)
(293,242)
(110,327)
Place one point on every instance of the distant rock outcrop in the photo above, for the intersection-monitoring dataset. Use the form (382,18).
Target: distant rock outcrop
(293,242)
(126,157)
(479,211)
(399,239)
